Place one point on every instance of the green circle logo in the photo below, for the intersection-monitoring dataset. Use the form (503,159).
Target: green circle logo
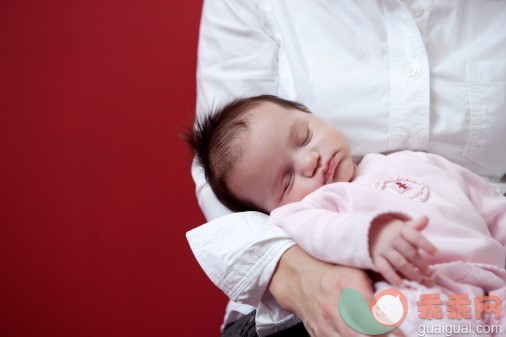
(385,313)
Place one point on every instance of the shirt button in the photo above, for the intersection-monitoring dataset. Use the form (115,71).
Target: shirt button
(410,71)
(417,11)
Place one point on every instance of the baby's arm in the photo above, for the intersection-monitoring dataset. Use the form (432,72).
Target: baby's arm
(387,241)
(330,236)
(395,247)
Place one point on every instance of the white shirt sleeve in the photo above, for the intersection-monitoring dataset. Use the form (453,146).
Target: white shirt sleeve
(239,253)
(237,53)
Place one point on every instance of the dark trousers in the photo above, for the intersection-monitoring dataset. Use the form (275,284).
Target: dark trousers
(245,327)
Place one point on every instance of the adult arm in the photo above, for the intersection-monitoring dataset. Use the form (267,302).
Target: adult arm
(254,259)
(238,56)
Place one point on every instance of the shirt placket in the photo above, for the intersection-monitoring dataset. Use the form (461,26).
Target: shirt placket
(409,77)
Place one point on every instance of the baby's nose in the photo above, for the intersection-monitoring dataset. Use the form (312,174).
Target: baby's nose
(309,164)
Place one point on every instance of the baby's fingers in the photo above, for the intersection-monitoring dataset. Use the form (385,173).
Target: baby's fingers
(404,266)
(414,237)
(419,223)
(411,254)
(388,272)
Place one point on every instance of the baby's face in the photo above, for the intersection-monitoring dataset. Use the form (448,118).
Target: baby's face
(287,154)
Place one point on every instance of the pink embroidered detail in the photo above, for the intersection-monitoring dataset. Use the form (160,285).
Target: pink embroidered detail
(404,186)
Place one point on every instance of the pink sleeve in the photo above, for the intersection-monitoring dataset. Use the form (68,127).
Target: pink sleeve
(325,228)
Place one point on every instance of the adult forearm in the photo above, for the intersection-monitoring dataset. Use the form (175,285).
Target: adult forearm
(310,289)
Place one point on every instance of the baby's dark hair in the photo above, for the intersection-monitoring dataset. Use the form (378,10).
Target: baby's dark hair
(213,140)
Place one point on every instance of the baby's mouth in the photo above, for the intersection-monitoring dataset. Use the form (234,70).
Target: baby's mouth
(330,169)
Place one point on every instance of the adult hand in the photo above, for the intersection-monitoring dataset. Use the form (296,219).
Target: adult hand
(310,289)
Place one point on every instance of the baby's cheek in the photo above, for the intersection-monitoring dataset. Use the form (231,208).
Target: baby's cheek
(308,188)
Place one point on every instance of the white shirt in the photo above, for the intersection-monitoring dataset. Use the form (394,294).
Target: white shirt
(421,75)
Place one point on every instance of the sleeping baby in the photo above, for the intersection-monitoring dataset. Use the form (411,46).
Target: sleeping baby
(423,223)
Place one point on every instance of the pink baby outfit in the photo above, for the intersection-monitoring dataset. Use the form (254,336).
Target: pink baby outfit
(467,223)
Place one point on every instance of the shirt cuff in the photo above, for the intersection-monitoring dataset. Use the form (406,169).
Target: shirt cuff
(239,253)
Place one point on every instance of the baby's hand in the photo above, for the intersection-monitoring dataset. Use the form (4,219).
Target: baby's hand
(395,246)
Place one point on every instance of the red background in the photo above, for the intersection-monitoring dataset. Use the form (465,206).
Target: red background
(95,187)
